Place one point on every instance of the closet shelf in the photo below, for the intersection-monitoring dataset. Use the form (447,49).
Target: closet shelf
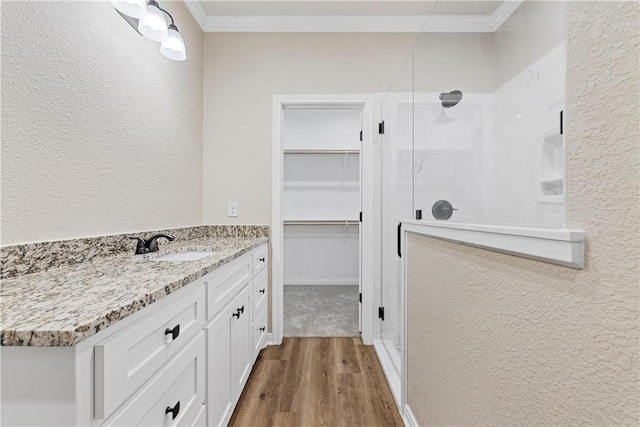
(321,222)
(290,151)
(353,186)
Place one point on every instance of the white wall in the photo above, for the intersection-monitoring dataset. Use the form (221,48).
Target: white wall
(242,73)
(502,340)
(101,134)
(321,255)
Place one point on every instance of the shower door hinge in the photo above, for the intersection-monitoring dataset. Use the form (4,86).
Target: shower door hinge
(360,297)
(360,135)
(381,313)
(381,127)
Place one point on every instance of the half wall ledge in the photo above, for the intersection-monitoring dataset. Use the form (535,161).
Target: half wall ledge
(560,246)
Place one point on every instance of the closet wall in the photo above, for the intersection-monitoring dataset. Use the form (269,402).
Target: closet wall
(321,196)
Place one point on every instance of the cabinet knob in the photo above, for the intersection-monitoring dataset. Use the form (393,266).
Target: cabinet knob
(236,314)
(175,332)
(261,259)
(262,291)
(262,329)
(241,309)
(174,411)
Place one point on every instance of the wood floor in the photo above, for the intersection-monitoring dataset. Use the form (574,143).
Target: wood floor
(317,382)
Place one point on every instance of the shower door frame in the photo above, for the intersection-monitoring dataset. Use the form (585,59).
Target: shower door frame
(367,226)
(393,361)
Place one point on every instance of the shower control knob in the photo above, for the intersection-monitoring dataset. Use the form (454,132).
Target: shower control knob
(442,210)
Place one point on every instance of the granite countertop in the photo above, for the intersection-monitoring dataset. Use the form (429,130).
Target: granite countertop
(64,305)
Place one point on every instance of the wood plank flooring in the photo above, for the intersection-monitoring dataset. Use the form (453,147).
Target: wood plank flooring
(317,382)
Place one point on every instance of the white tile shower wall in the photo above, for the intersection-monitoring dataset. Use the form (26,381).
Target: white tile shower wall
(452,159)
(527,108)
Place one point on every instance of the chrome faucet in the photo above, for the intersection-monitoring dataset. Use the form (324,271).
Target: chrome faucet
(151,244)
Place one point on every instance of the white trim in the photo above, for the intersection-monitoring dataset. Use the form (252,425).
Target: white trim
(315,24)
(321,282)
(367,228)
(404,319)
(390,372)
(357,23)
(503,12)
(197,12)
(268,339)
(408,417)
(556,246)
(277,227)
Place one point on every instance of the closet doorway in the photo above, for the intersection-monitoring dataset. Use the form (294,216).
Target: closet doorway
(321,175)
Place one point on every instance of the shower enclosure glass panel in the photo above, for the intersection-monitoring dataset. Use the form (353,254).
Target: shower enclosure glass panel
(472,132)
(488,118)
(396,109)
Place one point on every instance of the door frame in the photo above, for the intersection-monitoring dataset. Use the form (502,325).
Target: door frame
(368,186)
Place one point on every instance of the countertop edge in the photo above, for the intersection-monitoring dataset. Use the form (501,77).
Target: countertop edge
(68,338)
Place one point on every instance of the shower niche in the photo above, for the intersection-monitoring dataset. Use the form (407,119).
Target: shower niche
(550,172)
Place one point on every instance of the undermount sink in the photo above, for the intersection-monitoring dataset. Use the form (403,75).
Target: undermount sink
(185,256)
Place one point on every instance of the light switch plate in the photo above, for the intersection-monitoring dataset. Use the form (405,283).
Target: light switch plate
(233,209)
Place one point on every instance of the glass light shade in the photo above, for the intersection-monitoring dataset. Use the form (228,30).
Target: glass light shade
(173,47)
(153,25)
(133,8)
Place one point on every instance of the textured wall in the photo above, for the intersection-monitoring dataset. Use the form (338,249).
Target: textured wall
(242,73)
(100,133)
(502,340)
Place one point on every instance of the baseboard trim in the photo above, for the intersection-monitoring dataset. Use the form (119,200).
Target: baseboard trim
(316,282)
(269,339)
(390,372)
(408,417)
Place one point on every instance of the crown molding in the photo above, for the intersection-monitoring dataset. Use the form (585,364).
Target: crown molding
(354,24)
(197,12)
(313,24)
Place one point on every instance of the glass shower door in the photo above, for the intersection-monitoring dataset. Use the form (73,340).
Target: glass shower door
(396,204)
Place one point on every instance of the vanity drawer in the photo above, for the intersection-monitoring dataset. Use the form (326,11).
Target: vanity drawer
(174,397)
(260,258)
(260,292)
(225,283)
(201,419)
(129,358)
(259,331)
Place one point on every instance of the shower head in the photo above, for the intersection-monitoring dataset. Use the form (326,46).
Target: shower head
(443,119)
(450,99)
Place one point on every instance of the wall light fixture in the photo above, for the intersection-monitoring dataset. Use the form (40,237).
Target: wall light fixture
(149,21)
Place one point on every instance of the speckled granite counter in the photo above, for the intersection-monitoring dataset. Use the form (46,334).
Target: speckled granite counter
(63,305)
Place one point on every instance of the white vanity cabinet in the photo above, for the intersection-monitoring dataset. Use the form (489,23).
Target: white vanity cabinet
(182,361)
(145,346)
(260,310)
(230,340)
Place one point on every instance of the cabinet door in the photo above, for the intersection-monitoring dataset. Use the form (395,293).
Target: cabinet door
(174,397)
(259,331)
(127,359)
(220,379)
(242,340)
(260,292)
